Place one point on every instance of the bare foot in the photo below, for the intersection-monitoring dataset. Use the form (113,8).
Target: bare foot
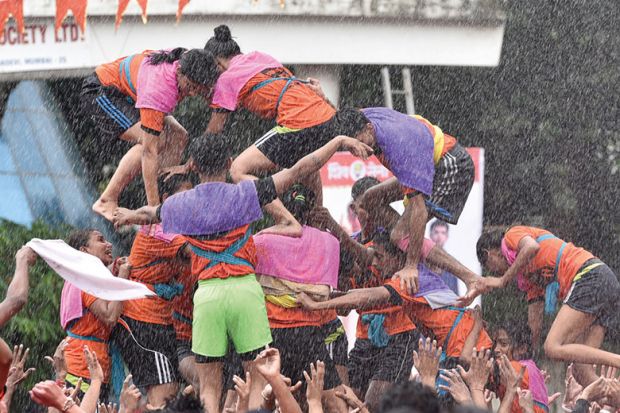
(105,208)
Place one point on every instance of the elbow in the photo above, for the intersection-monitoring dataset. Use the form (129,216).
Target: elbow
(17,302)
(110,321)
(552,349)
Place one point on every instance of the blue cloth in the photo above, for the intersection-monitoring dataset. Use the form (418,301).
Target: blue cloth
(551,297)
(117,374)
(168,291)
(376,330)
(407,145)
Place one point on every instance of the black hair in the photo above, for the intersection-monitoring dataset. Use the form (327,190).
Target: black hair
(197,64)
(491,238)
(439,223)
(210,153)
(382,238)
(299,200)
(350,121)
(409,395)
(78,238)
(222,44)
(362,185)
(170,185)
(183,404)
(519,332)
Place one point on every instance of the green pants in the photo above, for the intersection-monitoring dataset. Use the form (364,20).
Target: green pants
(229,308)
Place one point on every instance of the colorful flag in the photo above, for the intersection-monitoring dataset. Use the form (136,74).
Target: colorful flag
(182,4)
(78,7)
(13,8)
(122,5)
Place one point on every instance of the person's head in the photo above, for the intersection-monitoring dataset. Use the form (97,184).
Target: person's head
(353,123)
(174,184)
(514,339)
(489,250)
(197,72)
(439,232)
(359,187)
(91,242)
(222,46)
(388,258)
(409,395)
(211,155)
(299,200)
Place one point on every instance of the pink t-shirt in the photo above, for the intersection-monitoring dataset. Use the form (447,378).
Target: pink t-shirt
(157,87)
(427,246)
(241,69)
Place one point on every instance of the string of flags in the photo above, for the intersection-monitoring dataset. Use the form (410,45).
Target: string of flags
(15,9)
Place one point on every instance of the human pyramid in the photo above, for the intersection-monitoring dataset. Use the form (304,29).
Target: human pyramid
(246,321)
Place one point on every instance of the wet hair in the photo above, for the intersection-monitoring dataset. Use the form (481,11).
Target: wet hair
(491,238)
(350,121)
(197,64)
(520,334)
(382,238)
(172,184)
(362,185)
(409,396)
(210,153)
(78,238)
(222,44)
(183,404)
(439,223)
(299,200)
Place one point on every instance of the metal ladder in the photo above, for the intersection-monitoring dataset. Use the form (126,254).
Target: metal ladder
(407,91)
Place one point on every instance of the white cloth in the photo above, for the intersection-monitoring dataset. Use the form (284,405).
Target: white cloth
(87,272)
(441,298)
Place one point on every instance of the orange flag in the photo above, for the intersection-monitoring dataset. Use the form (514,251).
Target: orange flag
(78,7)
(182,4)
(13,8)
(122,5)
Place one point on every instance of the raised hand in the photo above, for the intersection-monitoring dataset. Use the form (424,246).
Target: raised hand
(243,392)
(352,400)
(508,376)
(525,400)
(315,382)
(357,148)
(94,368)
(109,408)
(456,386)
(268,363)
(130,397)
(595,390)
(480,368)
(49,394)
(27,255)
(426,361)
(17,373)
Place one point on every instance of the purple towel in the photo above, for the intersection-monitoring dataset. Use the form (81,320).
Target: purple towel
(407,146)
(429,282)
(210,208)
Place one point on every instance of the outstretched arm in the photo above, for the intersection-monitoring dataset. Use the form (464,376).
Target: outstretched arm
(217,122)
(314,161)
(362,299)
(528,248)
(17,293)
(142,216)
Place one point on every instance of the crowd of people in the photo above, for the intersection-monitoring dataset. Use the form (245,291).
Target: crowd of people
(246,321)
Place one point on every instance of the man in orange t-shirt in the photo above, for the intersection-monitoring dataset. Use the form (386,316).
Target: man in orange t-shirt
(548,269)
(98,318)
(147,338)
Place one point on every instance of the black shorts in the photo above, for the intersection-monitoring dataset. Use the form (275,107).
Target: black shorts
(111,111)
(336,342)
(597,293)
(300,346)
(452,182)
(150,353)
(392,363)
(184,349)
(285,148)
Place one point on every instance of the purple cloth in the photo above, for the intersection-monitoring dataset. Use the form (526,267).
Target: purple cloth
(429,282)
(536,382)
(407,147)
(210,208)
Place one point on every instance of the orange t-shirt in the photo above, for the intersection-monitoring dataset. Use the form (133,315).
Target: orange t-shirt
(183,307)
(109,74)
(224,270)
(440,321)
(154,261)
(396,321)
(539,272)
(299,108)
(88,326)
(280,317)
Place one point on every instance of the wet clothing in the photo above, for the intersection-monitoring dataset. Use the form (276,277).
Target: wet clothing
(532,378)
(89,331)
(336,341)
(392,363)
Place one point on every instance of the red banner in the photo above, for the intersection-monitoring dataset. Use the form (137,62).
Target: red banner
(13,8)
(182,4)
(77,7)
(343,169)
(122,6)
